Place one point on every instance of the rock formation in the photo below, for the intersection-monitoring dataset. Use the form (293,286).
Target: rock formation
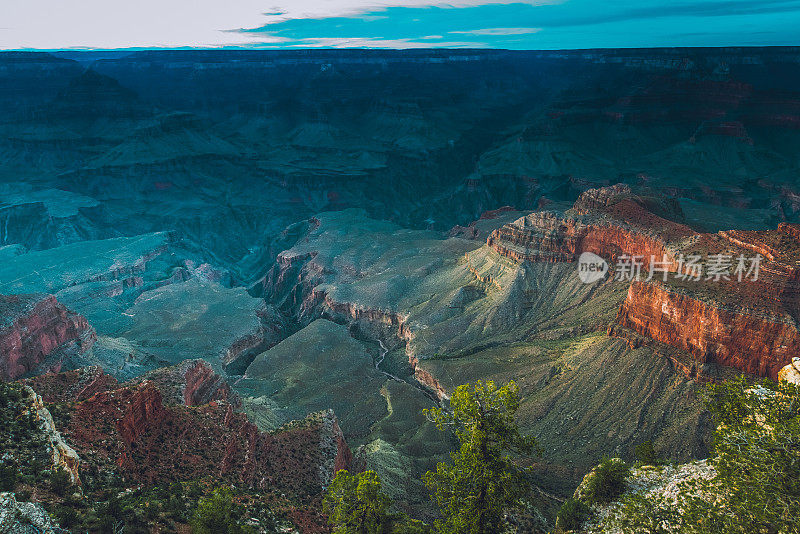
(167,428)
(749,324)
(37,332)
(201,440)
(791,373)
(24,517)
(191,383)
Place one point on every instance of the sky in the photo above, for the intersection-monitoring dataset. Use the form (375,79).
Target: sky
(264,24)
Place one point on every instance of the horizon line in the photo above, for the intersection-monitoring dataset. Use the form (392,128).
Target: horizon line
(383,49)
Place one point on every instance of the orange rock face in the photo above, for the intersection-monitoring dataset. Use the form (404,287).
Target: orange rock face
(607,221)
(548,237)
(754,344)
(748,324)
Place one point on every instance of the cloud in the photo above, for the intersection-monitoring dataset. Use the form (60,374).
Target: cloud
(361,42)
(500,31)
(322,9)
(52,24)
(531,24)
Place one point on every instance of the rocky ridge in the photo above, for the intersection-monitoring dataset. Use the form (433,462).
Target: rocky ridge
(37,333)
(24,517)
(664,483)
(124,430)
(714,320)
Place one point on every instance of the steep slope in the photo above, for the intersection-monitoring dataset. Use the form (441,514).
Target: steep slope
(449,311)
(37,333)
(117,435)
(746,320)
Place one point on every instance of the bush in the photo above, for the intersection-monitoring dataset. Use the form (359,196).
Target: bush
(757,461)
(67,517)
(59,481)
(355,504)
(402,524)
(572,515)
(218,514)
(9,476)
(646,454)
(606,482)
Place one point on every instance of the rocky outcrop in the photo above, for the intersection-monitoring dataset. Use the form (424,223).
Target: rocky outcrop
(387,324)
(662,483)
(427,379)
(608,221)
(63,456)
(393,323)
(754,343)
(18,517)
(144,411)
(750,324)
(71,386)
(791,372)
(203,385)
(337,455)
(191,383)
(131,427)
(36,331)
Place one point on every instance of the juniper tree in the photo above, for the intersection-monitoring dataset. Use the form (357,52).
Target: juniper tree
(355,504)
(484,479)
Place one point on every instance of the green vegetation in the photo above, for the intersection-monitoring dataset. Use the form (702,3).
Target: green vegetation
(474,493)
(9,475)
(757,460)
(355,504)
(67,517)
(646,454)
(59,481)
(572,515)
(606,482)
(483,480)
(218,514)
(108,504)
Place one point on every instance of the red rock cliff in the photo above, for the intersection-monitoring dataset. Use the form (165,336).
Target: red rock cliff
(750,325)
(133,428)
(754,343)
(606,221)
(34,327)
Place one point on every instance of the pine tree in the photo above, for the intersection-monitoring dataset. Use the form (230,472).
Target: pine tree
(218,514)
(483,481)
(355,504)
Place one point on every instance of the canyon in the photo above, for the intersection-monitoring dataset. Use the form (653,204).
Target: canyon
(122,430)
(198,249)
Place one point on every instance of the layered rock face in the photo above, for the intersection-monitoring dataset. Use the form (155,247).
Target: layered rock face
(750,324)
(191,382)
(35,331)
(709,330)
(606,221)
(160,430)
